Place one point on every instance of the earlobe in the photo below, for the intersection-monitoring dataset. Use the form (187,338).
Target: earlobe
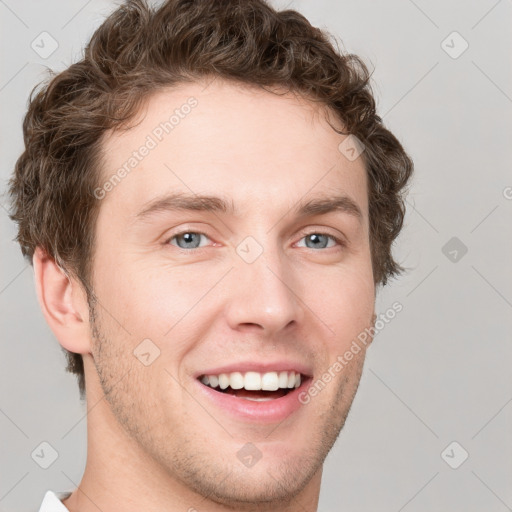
(62,302)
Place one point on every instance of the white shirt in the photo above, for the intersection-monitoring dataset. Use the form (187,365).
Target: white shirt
(52,502)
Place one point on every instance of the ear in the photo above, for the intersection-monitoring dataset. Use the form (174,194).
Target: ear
(63,302)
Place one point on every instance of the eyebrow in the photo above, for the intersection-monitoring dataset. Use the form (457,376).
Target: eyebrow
(214,204)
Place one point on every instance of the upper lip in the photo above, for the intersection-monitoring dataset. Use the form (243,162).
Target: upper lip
(260,367)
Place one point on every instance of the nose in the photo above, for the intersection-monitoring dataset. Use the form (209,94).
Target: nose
(265,294)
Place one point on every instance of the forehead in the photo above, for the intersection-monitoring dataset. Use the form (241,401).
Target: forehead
(260,149)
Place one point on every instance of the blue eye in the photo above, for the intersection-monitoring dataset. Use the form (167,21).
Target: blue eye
(191,239)
(319,240)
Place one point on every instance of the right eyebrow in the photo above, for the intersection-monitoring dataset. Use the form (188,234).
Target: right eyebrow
(184,202)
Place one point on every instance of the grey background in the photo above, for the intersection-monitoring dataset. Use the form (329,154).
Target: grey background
(440,371)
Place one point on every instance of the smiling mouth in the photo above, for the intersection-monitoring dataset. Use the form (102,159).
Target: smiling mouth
(255,386)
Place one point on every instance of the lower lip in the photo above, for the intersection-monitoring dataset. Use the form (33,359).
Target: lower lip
(269,411)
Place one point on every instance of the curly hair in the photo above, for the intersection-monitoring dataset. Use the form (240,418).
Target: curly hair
(140,49)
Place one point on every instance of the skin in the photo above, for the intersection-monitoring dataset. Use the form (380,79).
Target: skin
(153,442)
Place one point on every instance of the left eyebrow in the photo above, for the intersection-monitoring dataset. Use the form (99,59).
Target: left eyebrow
(186,202)
(322,206)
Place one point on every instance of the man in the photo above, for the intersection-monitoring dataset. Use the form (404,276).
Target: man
(209,201)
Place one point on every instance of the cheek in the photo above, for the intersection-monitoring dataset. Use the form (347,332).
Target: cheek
(347,301)
(149,299)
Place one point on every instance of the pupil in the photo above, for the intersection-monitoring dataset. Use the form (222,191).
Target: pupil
(189,239)
(316,237)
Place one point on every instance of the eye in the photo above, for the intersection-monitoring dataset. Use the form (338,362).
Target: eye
(319,240)
(187,239)
(192,240)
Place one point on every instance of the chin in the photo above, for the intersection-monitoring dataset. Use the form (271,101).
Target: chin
(264,486)
(275,478)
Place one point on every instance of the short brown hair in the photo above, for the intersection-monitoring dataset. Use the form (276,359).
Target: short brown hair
(140,49)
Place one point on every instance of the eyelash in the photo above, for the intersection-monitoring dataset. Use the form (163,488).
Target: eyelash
(339,241)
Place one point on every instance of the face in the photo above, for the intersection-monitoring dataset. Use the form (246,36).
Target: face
(248,287)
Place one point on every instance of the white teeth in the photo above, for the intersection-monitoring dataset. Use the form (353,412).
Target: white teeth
(270,381)
(223,381)
(236,380)
(254,381)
